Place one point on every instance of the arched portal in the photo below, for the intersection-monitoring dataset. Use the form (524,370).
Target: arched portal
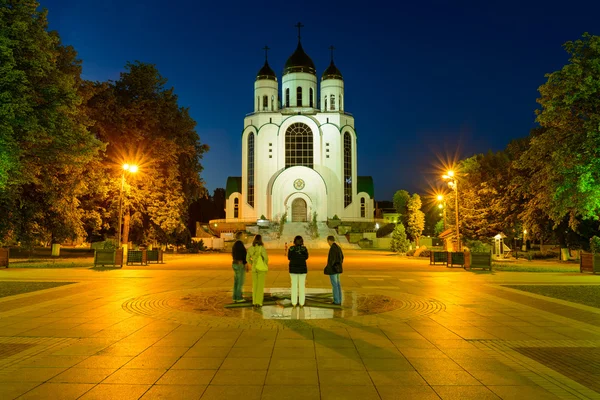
(299,210)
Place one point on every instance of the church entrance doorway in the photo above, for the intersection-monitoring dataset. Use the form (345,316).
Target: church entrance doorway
(299,210)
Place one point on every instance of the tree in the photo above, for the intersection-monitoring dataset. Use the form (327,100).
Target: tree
(45,144)
(416,218)
(563,159)
(401,198)
(143,124)
(399,243)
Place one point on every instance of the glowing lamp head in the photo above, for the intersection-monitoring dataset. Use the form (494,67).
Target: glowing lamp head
(133,169)
(450,173)
(525,231)
(126,167)
(440,206)
(440,197)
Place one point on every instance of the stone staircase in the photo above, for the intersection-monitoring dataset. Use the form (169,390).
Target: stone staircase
(293,229)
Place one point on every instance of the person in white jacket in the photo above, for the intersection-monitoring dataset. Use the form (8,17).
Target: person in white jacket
(258,258)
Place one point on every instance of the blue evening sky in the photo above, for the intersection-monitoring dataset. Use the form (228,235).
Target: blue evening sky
(425,80)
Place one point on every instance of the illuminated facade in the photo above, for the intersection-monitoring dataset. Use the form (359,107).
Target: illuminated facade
(299,149)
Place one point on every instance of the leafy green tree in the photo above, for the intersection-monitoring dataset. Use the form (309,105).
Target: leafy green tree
(45,144)
(416,218)
(143,124)
(399,242)
(439,227)
(563,159)
(401,198)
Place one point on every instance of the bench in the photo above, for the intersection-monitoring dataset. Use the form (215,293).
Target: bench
(589,262)
(481,260)
(455,258)
(106,257)
(137,257)
(155,255)
(438,257)
(4,254)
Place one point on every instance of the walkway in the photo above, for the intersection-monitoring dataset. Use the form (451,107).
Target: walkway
(407,331)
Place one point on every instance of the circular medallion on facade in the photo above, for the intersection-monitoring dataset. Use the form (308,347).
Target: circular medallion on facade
(299,184)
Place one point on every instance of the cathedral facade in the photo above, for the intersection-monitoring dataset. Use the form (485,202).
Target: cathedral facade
(299,150)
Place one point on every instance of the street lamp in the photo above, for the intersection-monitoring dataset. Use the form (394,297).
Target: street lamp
(442,206)
(453,183)
(132,169)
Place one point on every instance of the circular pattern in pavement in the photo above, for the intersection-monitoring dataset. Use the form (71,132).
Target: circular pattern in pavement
(208,307)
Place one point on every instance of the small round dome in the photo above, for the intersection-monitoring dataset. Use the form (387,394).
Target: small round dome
(299,62)
(266,73)
(332,72)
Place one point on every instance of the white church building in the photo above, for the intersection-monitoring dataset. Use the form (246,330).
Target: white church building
(299,149)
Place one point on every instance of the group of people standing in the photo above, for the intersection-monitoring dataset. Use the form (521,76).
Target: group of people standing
(256,258)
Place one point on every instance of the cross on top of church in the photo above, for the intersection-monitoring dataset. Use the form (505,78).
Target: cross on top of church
(299,25)
(332,49)
(266,49)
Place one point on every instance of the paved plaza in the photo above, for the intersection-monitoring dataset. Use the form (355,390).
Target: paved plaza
(407,330)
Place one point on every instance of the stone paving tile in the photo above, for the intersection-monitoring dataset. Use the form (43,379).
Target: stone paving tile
(186,376)
(246,363)
(291,392)
(57,391)
(387,364)
(366,392)
(401,378)
(83,375)
(293,364)
(245,392)
(292,377)
(179,392)
(110,391)
(233,377)
(465,393)
(407,393)
(449,377)
(350,377)
(340,364)
(135,376)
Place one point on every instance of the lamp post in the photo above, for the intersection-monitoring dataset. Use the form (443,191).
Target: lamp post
(524,246)
(453,183)
(131,169)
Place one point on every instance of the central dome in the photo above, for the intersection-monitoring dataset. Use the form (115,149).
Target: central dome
(299,62)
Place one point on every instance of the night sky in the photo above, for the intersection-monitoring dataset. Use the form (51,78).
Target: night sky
(426,82)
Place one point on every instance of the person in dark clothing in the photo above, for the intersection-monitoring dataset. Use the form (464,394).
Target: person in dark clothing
(335,259)
(238,253)
(298,254)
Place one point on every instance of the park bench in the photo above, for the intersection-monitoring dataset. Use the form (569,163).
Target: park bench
(4,254)
(589,262)
(155,255)
(438,257)
(137,257)
(109,257)
(455,258)
(478,260)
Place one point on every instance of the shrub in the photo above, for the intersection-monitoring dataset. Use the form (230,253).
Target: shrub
(400,243)
(263,217)
(477,246)
(385,230)
(425,253)
(545,255)
(595,244)
(410,252)
(336,217)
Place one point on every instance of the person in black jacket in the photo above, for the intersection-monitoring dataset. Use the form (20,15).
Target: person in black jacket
(335,259)
(238,253)
(298,254)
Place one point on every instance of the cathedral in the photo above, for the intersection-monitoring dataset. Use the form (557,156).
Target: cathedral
(299,149)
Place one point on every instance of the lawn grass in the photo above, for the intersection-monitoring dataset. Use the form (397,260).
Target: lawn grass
(588,295)
(41,263)
(14,288)
(531,268)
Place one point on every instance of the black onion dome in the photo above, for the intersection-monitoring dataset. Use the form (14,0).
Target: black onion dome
(266,73)
(332,72)
(299,62)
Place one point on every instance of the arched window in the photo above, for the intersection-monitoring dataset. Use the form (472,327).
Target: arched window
(347,169)
(310,99)
(287,97)
(265,103)
(325,98)
(251,169)
(236,208)
(257,103)
(298,146)
(363,208)
(332,104)
(299,96)
(341,107)
(272,102)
